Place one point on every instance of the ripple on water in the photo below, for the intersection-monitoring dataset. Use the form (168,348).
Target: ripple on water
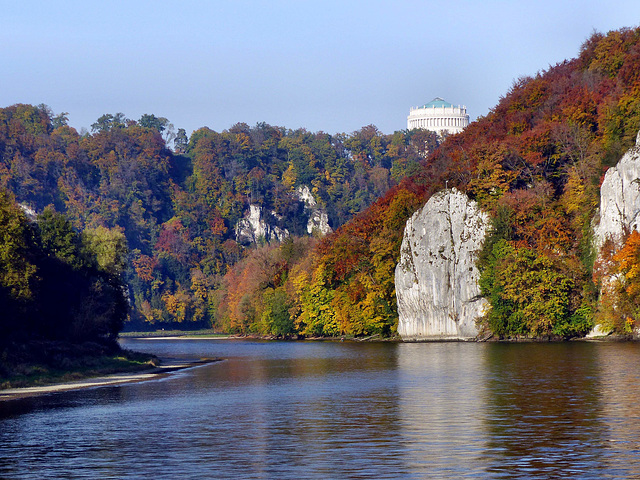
(289,410)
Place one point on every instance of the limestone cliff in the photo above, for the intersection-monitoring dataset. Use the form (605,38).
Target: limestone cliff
(619,214)
(318,218)
(620,198)
(254,227)
(436,279)
(259,224)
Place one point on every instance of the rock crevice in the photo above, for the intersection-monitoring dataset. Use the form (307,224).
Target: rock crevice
(254,227)
(318,218)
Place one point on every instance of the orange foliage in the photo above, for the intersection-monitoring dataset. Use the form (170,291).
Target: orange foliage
(144,266)
(628,258)
(538,153)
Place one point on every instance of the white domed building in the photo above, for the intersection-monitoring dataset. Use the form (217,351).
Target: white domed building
(438,116)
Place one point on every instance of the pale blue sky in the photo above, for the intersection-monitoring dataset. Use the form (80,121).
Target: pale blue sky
(329,65)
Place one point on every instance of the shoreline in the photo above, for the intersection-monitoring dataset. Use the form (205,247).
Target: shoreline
(181,337)
(152,373)
(292,338)
(173,365)
(395,339)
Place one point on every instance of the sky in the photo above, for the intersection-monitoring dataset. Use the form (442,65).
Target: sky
(332,66)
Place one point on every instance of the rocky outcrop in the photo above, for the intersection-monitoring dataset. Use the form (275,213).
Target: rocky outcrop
(29,212)
(620,199)
(619,215)
(436,279)
(318,218)
(260,225)
(254,227)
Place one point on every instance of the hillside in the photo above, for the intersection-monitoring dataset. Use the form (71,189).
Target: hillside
(179,208)
(535,163)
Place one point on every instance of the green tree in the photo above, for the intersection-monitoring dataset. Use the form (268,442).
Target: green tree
(108,246)
(529,295)
(181,142)
(109,122)
(59,239)
(151,121)
(17,271)
(60,120)
(275,315)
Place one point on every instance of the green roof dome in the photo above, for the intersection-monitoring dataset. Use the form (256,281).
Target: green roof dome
(437,103)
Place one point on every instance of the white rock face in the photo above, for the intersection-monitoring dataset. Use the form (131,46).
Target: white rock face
(318,218)
(258,224)
(598,331)
(620,198)
(619,213)
(29,212)
(436,279)
(305,195)
(253,227)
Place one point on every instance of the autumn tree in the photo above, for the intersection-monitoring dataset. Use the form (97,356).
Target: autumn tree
(17,270)
(620,288)
(530,296)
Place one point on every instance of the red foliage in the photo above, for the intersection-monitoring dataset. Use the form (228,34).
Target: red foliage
(173,240)
(522,135)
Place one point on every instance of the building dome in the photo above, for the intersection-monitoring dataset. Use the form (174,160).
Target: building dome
(438,116)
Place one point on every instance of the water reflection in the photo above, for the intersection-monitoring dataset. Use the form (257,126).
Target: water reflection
(542,410)
(620,385)
(442,404)
(331,410)
(315,417)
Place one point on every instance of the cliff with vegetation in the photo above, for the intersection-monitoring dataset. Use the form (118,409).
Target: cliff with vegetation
(619,210)
(534,164)
(617,244)
(436,278)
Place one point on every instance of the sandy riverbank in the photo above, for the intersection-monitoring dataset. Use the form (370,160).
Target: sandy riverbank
(185,337)
(164,369)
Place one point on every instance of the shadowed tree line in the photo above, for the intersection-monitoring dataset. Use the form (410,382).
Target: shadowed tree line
(58,287)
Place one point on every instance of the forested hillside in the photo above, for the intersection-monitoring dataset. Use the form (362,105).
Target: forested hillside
(535,163)
(178,207)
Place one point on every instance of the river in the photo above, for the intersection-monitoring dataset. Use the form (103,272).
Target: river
(331,410)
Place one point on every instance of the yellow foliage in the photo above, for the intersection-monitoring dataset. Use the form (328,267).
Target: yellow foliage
(177,304)
(289,177)
(491,180)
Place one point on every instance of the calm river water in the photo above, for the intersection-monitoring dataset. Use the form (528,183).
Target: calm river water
(328,410)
